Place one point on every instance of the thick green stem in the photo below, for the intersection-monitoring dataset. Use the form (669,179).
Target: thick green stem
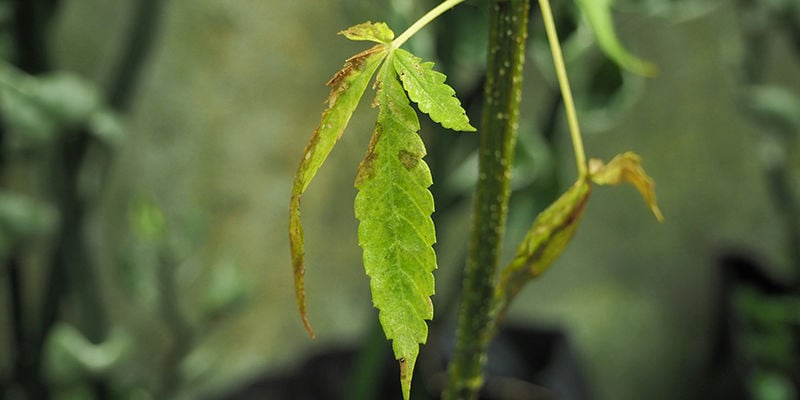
(507,36)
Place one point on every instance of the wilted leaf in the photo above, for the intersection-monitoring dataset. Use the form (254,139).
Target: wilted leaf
(396,231)
(427,88)
(626,167)
(598,13)
(545,241)
(347,87)
(377,32)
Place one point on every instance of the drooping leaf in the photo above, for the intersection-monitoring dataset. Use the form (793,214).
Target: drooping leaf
(545,241)
(396,231)
(626,167)
(377,32)
(427,88)
(598,13)
(347,87)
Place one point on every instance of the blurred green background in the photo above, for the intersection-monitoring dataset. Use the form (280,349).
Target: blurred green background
(182,285)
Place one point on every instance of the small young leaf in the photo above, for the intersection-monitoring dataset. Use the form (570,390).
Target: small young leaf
(598,13)
(427,88)
(377,32)
(396,231)
(347,87)
(626,167)
(545,241)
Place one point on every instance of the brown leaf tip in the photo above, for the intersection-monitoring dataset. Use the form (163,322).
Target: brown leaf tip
(627,168)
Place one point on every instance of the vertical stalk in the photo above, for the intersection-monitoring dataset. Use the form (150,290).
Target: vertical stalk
(563,83)
(506,55)
(138,45)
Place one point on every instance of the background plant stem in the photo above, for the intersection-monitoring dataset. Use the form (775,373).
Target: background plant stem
(506,55)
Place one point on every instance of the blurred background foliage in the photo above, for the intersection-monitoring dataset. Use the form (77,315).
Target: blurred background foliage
(148,149)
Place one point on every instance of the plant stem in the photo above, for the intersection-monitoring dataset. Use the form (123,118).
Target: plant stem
(506,56)
(427,18)
(563,83)
(138,45)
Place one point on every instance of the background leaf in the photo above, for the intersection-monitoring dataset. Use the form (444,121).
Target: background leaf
(427,88)
(347,87)
(598,13)
(396,231)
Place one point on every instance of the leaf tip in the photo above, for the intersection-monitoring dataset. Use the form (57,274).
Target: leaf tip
(377,32)
(405,379)
(657,212)
(627,167)
(296,244)
(307,325)
(300,291)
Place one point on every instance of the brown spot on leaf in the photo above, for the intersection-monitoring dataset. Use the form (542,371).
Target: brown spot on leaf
(409,159)
(403,368)
(352,64)
(366,169)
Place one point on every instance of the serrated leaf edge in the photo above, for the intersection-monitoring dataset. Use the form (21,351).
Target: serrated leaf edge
(444,110)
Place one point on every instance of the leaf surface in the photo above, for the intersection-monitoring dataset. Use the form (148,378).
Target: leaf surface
(347,87)
(545,241)
(598,13)
(626,167)
(396,231)
(377,32)
(427,88)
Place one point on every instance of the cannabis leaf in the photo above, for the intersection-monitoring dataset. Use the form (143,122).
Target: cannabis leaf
(598,13)
(347,87)
(393,204)
(427,88)
(396,232)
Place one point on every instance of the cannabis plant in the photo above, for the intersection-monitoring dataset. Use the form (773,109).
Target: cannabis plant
(394,205)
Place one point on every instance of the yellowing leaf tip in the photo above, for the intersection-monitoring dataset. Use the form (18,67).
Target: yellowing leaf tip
(626,167)
(377,32)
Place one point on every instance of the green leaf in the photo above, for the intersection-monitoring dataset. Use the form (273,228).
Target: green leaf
(598,13)
(377,32)
(777,107)
(70,357)
(396,231)
(22,219)
(347,87)
(427,88)
(38,108)
(545,241)
(626,167)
